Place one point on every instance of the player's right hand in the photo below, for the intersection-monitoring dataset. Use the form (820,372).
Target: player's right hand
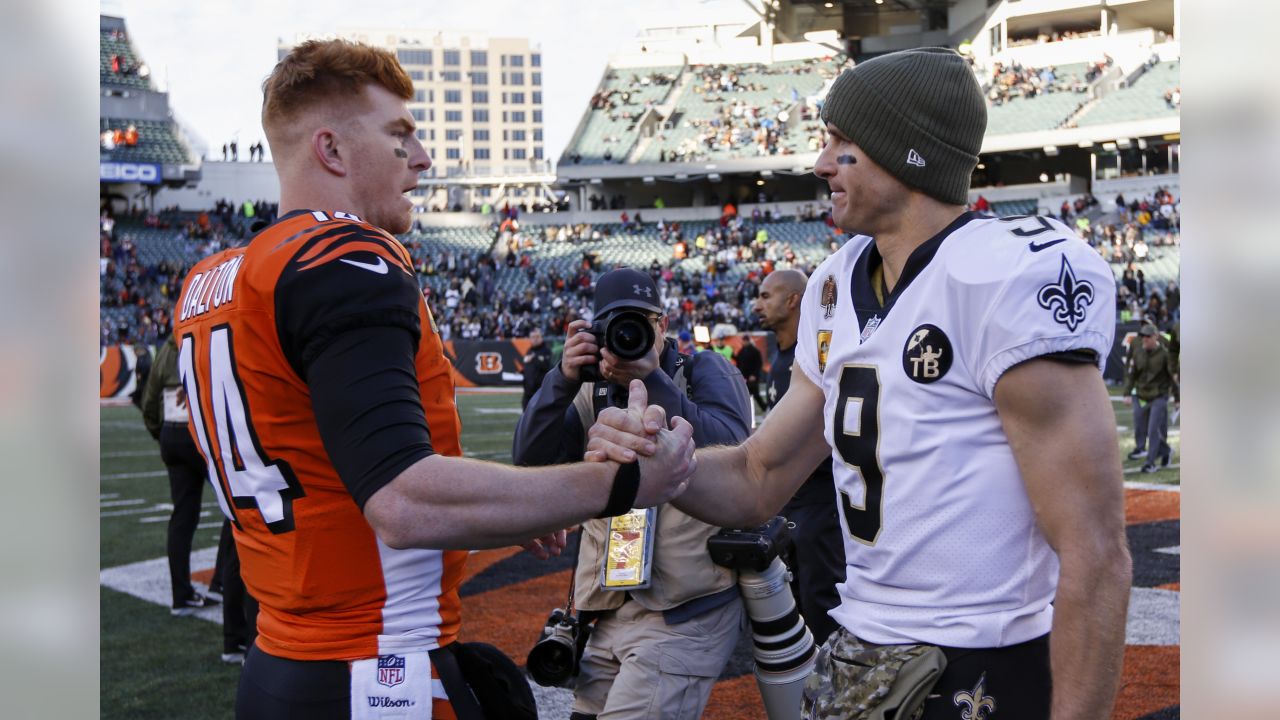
(579,349)
(622,434)
(667,474)
(666,455)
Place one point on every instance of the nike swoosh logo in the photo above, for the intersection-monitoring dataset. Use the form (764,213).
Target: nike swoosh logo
(379,267)
(1044,246)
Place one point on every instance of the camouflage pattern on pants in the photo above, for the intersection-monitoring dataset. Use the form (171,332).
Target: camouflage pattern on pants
(851,681)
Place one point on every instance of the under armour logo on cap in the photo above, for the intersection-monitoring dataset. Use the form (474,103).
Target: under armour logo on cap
(913,158)
(647,292)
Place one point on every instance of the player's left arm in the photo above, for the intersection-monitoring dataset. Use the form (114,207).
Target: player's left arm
(1061,427)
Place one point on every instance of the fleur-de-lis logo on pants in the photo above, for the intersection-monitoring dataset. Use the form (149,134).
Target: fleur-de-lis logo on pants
(976,703)
(1068,298)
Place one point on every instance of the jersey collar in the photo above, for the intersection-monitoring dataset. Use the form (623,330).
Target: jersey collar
(863,293)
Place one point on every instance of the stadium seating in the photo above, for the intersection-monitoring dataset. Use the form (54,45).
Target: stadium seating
(1044,111)
(112,46)
(1005,208)
(607,131)
(1142,100)
(778,87)
(157,143)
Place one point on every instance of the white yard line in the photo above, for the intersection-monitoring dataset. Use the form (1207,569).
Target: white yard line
(118,503)
(1137,485)
(131,476)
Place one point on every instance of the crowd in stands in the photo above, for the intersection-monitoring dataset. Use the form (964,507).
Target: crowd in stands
(135,296)
(1004,82)
(1056,36)
(614,98)
(710,274)
(112,138)
(1128,234)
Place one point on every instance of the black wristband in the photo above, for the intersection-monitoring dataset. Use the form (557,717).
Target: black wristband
(626,485)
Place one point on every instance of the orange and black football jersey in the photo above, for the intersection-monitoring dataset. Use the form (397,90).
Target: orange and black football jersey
(247,322)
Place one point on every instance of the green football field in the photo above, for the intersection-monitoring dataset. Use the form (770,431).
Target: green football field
(157,666)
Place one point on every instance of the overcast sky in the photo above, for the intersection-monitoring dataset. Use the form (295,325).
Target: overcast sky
(213,56)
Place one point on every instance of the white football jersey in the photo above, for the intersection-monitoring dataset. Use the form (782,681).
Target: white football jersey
(940,539)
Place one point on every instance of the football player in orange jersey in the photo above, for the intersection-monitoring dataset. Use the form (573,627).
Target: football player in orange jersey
(322,402)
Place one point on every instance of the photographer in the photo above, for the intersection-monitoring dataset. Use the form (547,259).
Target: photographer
(655,651)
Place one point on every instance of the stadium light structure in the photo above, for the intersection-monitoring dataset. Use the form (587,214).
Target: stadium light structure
(1124,143)
(648,180)
(766,174)
(1051,150)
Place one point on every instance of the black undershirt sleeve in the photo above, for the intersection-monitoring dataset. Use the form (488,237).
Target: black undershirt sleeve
(368,406)
(1079,356)
(348,323)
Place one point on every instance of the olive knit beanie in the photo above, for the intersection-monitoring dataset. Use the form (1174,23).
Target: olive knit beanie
(917,113)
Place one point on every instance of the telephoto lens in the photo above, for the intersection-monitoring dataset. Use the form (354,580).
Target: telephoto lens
(782,644)
(553,661)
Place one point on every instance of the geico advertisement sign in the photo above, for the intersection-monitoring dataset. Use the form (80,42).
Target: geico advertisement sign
(146,173)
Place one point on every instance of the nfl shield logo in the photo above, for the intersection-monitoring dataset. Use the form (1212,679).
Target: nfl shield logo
(390,670)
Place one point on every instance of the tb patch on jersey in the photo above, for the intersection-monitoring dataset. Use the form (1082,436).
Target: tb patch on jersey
(1068,298)
(927,354)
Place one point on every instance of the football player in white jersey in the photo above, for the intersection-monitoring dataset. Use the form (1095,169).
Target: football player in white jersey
(951,368)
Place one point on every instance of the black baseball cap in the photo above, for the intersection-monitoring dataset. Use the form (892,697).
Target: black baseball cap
(627,288)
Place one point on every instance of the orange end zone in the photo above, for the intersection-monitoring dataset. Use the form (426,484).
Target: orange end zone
(736,699)
(1150,680)
(511,617)
(1144,506)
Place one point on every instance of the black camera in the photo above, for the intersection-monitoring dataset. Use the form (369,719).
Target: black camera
(627,332)
(554,659)
(751,550)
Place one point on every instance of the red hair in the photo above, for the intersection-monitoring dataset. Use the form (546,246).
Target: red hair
(327,72)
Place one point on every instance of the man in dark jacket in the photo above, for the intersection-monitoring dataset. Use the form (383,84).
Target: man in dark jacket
(1151,374)
(656,650)
(537,361)
(751,365)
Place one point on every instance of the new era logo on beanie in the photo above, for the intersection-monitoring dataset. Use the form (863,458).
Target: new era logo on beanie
(904,107)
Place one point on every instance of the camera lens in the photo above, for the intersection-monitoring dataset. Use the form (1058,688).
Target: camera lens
(551,661)
(629,336)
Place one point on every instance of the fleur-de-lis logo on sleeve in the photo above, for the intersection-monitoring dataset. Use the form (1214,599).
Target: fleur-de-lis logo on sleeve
(1068,298)
(976,703)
